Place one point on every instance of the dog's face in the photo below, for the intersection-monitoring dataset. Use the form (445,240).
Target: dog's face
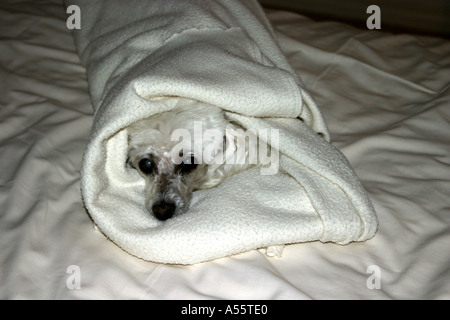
(174,169)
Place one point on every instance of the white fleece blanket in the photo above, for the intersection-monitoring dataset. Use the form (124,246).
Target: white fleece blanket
(141,56)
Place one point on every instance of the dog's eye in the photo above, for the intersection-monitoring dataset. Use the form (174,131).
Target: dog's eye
(188,165)
(146,166)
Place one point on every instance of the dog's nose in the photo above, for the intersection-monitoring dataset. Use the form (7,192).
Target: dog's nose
(163,210)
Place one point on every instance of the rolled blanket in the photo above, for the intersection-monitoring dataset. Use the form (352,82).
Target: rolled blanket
(145,57)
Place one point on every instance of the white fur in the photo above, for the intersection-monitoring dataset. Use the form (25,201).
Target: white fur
(152,138)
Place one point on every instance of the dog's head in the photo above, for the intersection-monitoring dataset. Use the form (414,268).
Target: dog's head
(170,152)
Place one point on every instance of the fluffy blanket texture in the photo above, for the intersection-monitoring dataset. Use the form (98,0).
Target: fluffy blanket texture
(145,57)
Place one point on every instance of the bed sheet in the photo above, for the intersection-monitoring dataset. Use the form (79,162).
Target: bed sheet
(385,98)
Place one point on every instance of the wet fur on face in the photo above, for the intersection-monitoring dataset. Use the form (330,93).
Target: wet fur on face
(171,176)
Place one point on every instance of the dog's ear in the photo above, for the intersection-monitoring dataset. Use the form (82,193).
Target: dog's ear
(240,143)
(130,155)
(232,135)
(129,163)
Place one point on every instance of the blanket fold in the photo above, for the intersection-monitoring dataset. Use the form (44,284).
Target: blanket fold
(146,57)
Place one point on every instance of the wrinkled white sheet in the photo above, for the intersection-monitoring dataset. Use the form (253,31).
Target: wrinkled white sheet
(386,100)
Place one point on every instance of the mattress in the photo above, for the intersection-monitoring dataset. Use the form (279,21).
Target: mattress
(385,98)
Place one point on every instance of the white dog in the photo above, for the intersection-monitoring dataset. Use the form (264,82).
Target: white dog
(172,167)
